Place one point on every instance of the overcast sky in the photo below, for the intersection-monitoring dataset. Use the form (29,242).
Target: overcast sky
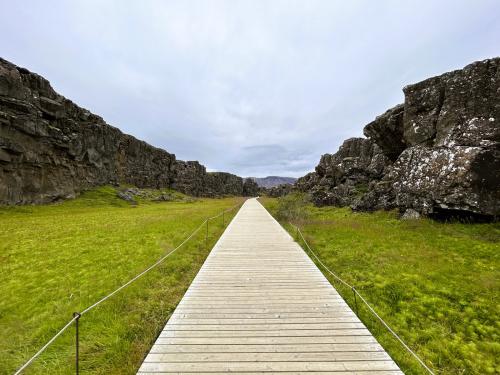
(251,87)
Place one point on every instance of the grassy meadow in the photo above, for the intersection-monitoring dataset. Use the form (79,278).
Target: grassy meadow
(60,258)
(436,284)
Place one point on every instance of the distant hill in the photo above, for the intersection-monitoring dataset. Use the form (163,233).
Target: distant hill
(271,181)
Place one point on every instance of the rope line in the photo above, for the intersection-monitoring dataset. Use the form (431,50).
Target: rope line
(23,367)
(158,262)
(420,361)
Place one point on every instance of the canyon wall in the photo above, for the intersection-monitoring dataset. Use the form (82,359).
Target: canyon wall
(438,153)
(52,149)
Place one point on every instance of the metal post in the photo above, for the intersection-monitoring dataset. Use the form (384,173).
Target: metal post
(355,300)
(77,316)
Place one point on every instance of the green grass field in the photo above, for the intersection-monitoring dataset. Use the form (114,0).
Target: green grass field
(436,284)
(61,258)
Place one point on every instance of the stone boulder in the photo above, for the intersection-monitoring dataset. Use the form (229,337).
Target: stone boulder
(451,127)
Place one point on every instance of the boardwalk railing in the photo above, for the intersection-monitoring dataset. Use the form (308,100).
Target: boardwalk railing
(356,295)
(77,315)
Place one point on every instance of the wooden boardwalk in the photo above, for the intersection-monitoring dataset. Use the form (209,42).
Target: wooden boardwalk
(260,305)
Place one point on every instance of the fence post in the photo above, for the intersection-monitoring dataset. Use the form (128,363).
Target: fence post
(77,316)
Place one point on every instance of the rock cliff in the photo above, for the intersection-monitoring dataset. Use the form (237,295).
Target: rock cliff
(52,149)
(438,153)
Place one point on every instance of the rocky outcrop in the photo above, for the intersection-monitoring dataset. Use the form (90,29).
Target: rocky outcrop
(437,154)
(279,191)
(343,177)
(220,183)
(190,177)
(52,149)
(250,188)
(386,131)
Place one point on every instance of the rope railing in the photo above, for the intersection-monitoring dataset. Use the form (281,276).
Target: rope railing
(370,308)
(77,315)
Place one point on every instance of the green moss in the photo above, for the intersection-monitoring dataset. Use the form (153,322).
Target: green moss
(60,258)
(436,284)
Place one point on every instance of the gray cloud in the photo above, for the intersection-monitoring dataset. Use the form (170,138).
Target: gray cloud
(252,87)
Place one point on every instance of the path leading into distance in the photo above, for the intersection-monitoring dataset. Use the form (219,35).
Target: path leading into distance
(260,305)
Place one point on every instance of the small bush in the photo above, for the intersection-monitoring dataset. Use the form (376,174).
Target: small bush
(292,207)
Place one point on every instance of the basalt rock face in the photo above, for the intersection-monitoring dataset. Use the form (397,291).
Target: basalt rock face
(438,153)
(220,183)
(279,190)
(190,177)
(343,177)
(52,149)
(387,132)
(250,188)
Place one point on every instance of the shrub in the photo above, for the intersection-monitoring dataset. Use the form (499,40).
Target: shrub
(292,207)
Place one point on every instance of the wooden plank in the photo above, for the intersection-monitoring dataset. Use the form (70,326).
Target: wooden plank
(260,305)
(226,356)
(260,322)
(279,315)
(263,337)
(269,366)
(265,344)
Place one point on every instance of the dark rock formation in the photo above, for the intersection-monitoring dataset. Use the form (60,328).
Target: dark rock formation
(437,153)
(190,177)
(250,188)
(343,177)
(220,183)
(52,149)
(387,132)
(279,191)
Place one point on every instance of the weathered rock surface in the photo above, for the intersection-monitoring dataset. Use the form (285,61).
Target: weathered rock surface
(250,188)
(279,190)
(189,177)
(52,149)
(437,154)
(410,214)
(343,177)
(387,132)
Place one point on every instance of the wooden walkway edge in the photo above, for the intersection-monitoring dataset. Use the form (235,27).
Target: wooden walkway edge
(260,305)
